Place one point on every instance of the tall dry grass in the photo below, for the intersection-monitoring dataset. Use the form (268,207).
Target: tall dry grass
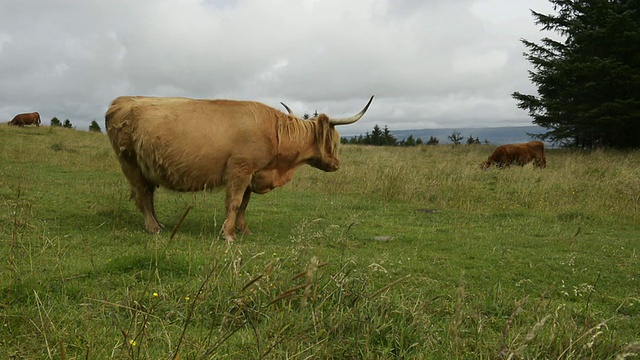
(449,177)
(402,253)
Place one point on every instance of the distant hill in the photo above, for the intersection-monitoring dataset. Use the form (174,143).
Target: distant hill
(494,135)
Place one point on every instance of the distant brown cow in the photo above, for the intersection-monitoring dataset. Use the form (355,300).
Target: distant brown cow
(518,154)
(193,145)
(26,119)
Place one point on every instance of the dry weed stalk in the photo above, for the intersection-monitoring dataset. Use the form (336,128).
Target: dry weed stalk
(630,350)
(505,332)
(184,216)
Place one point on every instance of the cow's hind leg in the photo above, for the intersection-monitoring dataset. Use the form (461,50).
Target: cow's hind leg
(142,191)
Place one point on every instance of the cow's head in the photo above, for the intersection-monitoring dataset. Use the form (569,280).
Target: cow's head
(327,138)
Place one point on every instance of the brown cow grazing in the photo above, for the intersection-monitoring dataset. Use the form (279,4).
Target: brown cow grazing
(519,154)
(192,145)
(26,119)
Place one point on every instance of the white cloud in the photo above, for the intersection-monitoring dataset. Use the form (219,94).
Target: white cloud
(430,63)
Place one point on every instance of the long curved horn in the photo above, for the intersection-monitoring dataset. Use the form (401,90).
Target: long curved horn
(288,110)
(352,119)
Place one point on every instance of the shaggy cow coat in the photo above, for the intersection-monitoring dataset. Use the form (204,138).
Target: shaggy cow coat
(193,145)
(518,154)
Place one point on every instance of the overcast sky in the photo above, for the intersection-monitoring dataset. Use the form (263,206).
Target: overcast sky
(430,63)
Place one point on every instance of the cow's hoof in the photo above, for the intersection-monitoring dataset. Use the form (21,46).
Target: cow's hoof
(154,229)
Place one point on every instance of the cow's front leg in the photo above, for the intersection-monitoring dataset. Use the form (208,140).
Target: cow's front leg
(241,220)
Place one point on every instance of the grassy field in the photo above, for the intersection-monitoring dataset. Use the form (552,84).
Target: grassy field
(402,253)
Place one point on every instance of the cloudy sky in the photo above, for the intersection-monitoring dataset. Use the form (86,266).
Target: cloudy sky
(430,63)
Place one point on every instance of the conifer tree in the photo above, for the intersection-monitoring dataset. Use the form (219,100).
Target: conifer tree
(95,127)
(410,141)
(377,137)
(589,82)
(388,139)
(433,141)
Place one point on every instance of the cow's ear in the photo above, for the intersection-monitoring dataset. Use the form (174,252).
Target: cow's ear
(322,118)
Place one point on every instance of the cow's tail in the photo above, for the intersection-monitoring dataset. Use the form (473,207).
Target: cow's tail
(37,119)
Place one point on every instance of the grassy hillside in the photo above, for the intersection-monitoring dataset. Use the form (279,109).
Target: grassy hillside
(402,253)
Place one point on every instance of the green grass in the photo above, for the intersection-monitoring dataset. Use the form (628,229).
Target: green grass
(402,253)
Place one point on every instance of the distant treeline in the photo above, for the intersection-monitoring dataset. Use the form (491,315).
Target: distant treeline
(67,124)
(56,122)
(383,137)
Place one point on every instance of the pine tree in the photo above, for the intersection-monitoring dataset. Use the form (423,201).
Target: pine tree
(67,124)
(388,139)
(95,127)
(589,83)
(377,137)
(410,141)
(367,139)
(433,141)
(55,122)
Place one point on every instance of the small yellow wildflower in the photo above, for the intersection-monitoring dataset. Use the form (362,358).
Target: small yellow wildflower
(132,342)
(186,298)
(155,294)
